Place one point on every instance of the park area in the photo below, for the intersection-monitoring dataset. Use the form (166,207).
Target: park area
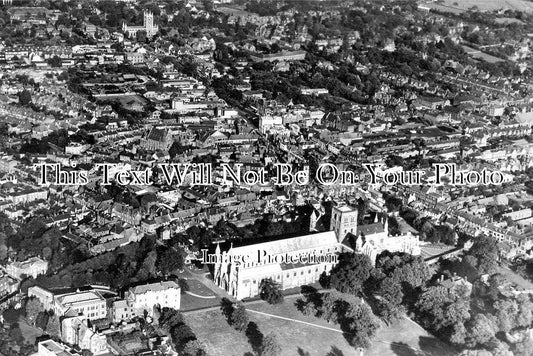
(306,335)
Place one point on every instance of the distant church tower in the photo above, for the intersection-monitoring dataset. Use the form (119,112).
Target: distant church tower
(343,221)
(148,26)
(148,22)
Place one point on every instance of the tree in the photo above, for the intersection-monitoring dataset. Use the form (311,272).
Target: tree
(410,272)
(485,249)
(170,317)
(524,317)
(239,318)
(506,311)
(308,309)
(359,325)
(390,303)
(226,307)
(169,259)
(42,320)
(11,315)
(148,269)
(393,203)
(16,334)
(444,234)
(33,307)
(141,36)
(513,313)
(480,330)
(54,62)
(270,346)
(208,5)
(329,307)
(362,208)
(182,334)
(53,327)
(466,267)
(524,346)
(443,311)
(394,227)
(394,161)
(351,272)
(194,348)
(255,337)
(270,291)
(25,97)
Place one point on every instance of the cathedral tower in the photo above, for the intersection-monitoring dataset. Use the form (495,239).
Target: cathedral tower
(343,221)
(148,21)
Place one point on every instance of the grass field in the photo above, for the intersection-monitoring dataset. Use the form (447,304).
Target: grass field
(30,332)
(298,338)
(481,55)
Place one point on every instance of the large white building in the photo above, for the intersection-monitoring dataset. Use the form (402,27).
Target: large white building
(53,348)
(32,267)
(148,296)
(88,304)
(278,260)
(148,26)
(240,270)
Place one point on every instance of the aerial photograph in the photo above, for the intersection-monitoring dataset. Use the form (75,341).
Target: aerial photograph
(266,177)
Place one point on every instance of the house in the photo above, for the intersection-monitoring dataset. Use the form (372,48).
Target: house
(431,102)
(32,267)
(54,348)
(8,285)
(147,296)
(456,283)
(75,331)
(88,304)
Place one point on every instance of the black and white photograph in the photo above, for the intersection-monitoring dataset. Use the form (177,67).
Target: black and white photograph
(266,178)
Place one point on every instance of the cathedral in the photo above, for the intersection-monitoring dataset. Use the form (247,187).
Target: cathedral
(242,280)
(276,259)
(148,26)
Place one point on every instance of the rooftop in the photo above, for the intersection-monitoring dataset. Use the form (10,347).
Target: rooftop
(154,287)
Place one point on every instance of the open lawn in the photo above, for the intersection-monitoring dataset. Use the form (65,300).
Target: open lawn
(481,55)
(212,329)
(515,278)
(29,332)
(301,335)
(189,302)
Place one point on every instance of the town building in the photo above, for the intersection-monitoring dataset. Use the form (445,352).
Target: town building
(75,331)
(32,267)
(157,139)
(8,285)
(147,296)
(54,348)
(148,26)
(89,304)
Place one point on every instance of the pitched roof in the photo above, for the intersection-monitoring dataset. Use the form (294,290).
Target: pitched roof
(160,286)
